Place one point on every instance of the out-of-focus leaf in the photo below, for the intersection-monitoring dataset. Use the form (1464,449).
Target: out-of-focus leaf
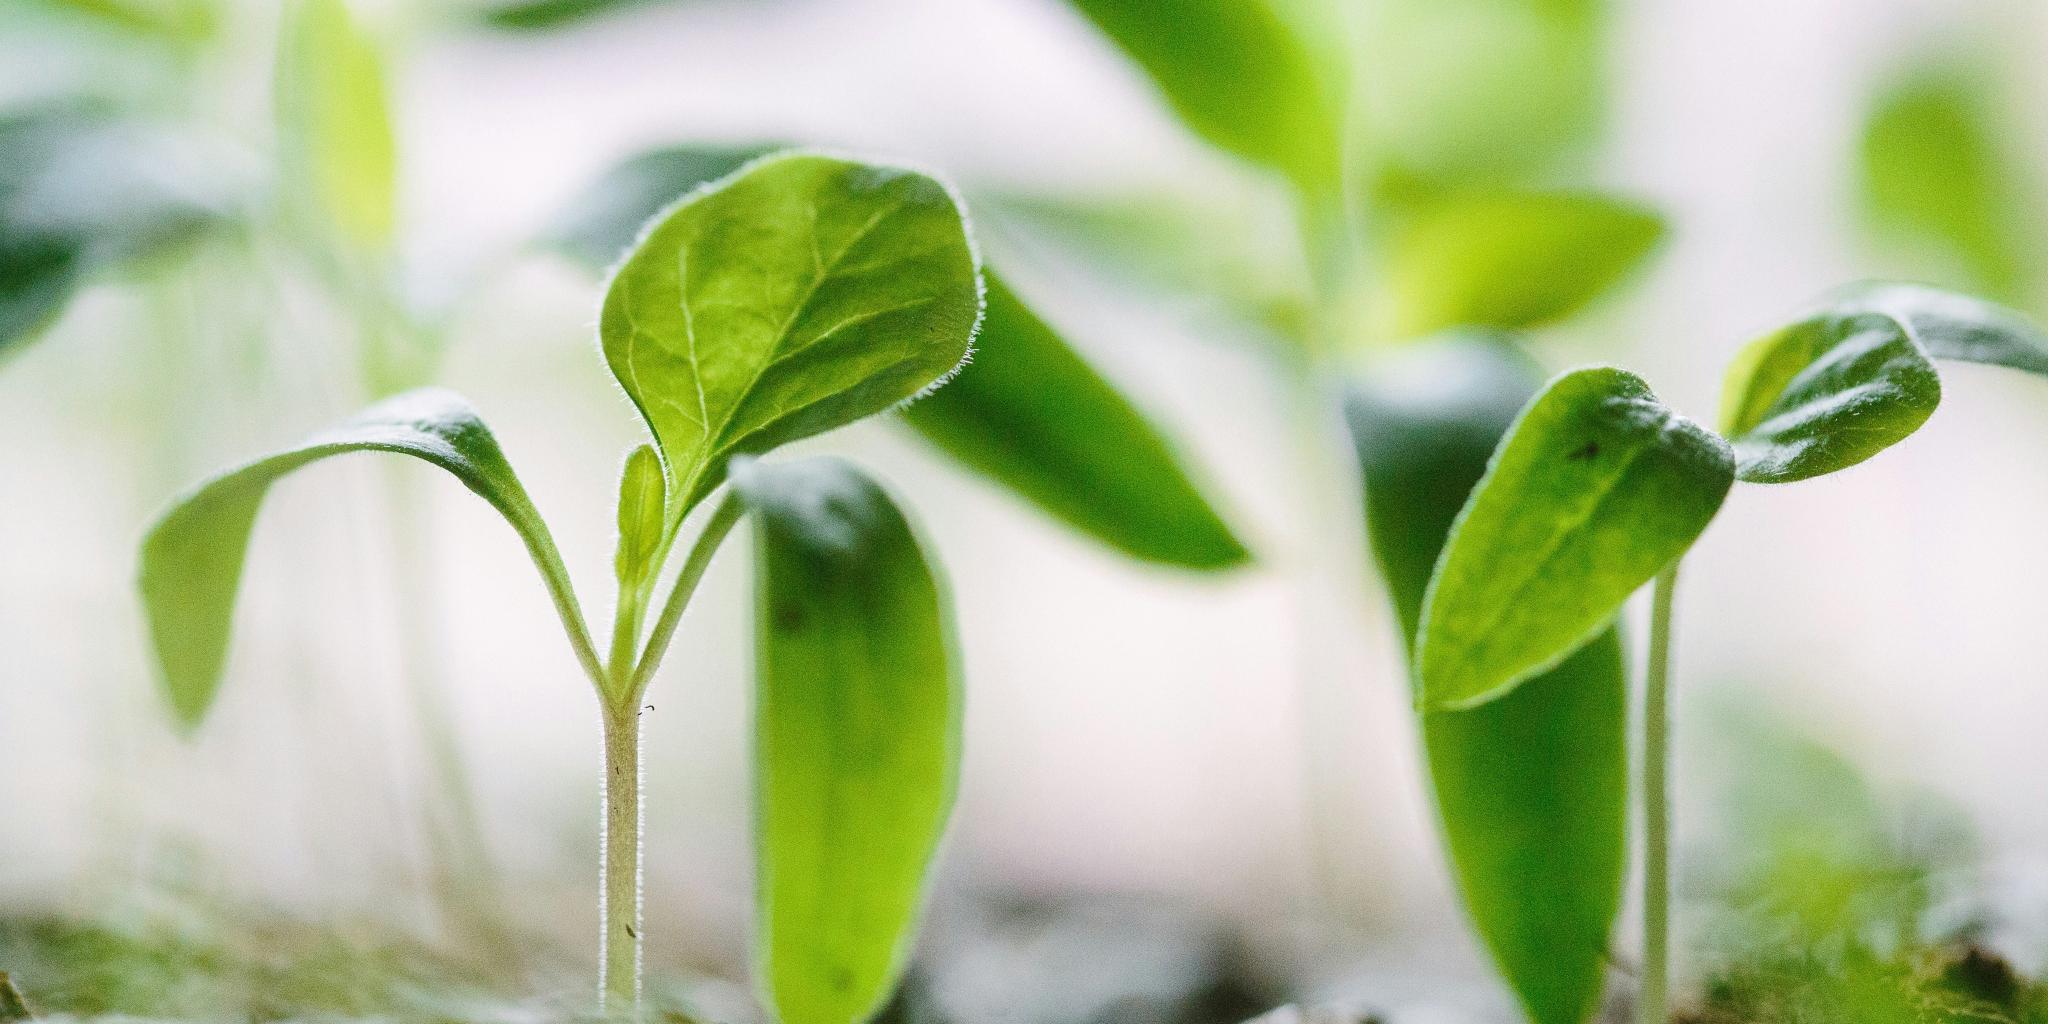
(1481,91)
(180,20)
(798,296)
(1949,325)
(81,192)
(1826,393)
(1531,789)
(1029,413)
(1597,487)
(857,735)
(1238,74)
(12,1006)
(1939,175)
(532,15)
(1506,260)
(334,120)
(192,556)
(600,223)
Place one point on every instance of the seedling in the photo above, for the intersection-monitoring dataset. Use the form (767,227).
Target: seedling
(1598,488)
(799,294)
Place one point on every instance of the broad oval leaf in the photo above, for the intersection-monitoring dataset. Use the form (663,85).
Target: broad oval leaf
(1597,487)
(1034,416)
(1826,393)
(1238,74)
(192,556)
(80,192)
(800,294)
(1950,325)
(1507,260)
(857,735)
(1939,173)
(334,120)
(1531,789)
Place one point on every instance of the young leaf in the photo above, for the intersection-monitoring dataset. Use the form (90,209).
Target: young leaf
(1826,393)
(1033,415)
(1949,325)
(1597,487)
(1510,259)
(801,294)
(857,735)
(600,223)
(80,192)
(643,507)
(1238,75)
(192,556)
(1937,173)
(334,120)
(1531,789)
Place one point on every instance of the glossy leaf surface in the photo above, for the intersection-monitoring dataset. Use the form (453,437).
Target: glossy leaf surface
(1510,259)
(857,735)
(801,294)
(81,192)
(1238,74)
(1031,414)
(1531,789)
(1597,487)
(1826,393)
(1950,325)
(1939,177)
(334,120)
(192,556)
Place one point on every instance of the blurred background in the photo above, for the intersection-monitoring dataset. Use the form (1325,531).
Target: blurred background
(1187,768)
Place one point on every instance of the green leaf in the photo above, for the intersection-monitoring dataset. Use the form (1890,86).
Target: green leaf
(798,295)
(643,508)
(1531,789)
(12,1006)
(1510,260)
(600,223)
(1238,74)
(1596,488)
(1949,325)
(535,15)
(1939,176)
(82,192)
(334,120)
(184,21)
(1032,415)
(857,735)
(1826,393)
(192,556)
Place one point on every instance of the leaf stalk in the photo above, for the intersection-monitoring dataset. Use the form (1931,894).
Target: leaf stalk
(1653,1005)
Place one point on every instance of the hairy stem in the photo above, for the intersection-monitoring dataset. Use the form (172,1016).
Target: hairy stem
(1653,1006)
(619,907)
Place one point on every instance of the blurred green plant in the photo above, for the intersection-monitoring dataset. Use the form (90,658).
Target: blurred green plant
(797,295)
(1598,488)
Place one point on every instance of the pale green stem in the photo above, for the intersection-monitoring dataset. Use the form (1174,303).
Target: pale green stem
(619,699)
(1653,1006)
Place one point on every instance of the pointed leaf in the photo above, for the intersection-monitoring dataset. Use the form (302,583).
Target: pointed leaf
(1531,789)
(1826,393)
(1950,325)
(1510,259)
(601,222)
(857,735)
(798,295)
(1938,174)
(643,508)
(1597,487)
(1031,414)
(334,120)
(1238,74)
(192,556)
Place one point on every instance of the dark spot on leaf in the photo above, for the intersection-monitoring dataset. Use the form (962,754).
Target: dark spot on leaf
(789,615)
(1591,449)
(632,932)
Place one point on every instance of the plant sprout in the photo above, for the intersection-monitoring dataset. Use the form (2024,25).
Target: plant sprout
(797,295)
(1598,488)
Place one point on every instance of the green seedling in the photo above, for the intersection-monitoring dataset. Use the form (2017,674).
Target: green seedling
(797,295)
(1598,488)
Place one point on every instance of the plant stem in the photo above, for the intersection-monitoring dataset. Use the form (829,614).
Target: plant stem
(619,908)
(1653,1006)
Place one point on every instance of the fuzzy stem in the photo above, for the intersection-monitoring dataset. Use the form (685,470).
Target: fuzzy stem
(1653,1006)
(619,907)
